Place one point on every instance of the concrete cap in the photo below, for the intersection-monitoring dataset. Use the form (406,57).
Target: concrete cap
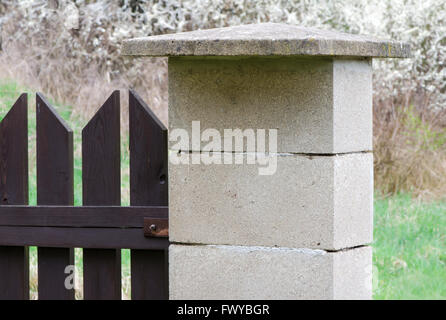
(265,39)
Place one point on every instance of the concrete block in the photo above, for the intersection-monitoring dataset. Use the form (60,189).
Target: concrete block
(317,105)
(232,272)
(320,202)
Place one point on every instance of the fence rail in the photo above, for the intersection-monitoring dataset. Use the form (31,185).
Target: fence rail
(101,227)
(85,227)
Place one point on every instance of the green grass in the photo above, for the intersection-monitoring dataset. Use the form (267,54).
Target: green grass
(409,252)
(410,237)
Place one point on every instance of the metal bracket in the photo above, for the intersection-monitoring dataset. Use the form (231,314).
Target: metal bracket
(154,227)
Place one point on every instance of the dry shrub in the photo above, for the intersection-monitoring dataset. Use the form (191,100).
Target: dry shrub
(71,48)
(79,67)
(409,147)
(87,92)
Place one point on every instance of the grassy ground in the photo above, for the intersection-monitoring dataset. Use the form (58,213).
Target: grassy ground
(410,237)
(410,249)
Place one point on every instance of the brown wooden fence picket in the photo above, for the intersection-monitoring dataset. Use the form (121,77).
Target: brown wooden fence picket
(148,187)
(14,269)
(101,180)
(54,187)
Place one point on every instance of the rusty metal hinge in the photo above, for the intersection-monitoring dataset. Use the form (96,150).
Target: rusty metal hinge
(155,227)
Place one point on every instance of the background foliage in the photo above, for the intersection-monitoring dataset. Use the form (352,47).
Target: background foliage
(70,50)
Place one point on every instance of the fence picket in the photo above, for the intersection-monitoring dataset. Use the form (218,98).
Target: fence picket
(54,187)
(101,179)
(148,186)
(14,262)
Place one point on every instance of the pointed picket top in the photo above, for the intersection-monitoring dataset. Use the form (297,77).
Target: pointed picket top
(19,108)
(136,102)
(109,105)
(43,106)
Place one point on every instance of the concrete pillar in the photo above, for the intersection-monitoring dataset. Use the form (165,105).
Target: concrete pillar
(302,229)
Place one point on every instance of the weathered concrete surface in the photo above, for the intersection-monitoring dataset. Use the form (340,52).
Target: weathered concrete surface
(352,117)
(317,105)
(232,272)
(265,39)
(322,202)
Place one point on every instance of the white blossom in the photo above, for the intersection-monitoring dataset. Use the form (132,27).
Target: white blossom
(102,25)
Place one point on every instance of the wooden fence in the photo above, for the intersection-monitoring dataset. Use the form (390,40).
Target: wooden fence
(101,226)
